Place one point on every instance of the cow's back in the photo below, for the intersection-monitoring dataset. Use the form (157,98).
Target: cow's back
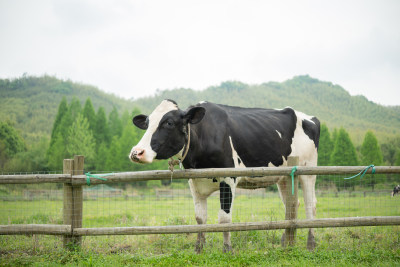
(257,137)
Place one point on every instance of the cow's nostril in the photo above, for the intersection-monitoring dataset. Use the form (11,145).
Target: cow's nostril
(140,152)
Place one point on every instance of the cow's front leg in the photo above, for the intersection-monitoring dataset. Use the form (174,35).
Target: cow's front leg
(200,209)
(227,192)
(201,189)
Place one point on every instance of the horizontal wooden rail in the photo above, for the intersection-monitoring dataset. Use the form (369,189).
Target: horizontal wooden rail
(232,227)
(189,174)
(43,229)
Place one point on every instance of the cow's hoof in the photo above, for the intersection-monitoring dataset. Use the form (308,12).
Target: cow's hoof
(227,248)
(311,244)
(283,240)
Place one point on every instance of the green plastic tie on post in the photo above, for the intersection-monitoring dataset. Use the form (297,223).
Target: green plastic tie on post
(96,176)
(362,172)
(294,169)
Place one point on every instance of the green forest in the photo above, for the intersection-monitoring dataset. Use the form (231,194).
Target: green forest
(45,120)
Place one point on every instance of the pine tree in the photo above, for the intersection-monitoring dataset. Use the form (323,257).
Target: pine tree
(62,110)
(101,131)
(80,140)
(112,162)
(325,146)
(101,157)
(56,153)
(129,138)
(89,114)
(114,123)
(344,153)
(370,150)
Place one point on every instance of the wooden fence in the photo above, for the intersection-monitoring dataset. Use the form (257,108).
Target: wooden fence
(73,179)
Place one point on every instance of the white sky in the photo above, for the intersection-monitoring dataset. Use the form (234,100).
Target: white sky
(132,48)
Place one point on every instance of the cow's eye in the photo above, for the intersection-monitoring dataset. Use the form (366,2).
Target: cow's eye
(169,123)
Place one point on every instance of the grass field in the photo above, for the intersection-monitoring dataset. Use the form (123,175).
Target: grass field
(379,246)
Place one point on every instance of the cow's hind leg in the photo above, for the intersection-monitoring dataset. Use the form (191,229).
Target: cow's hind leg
(310,203)
(227,189)
(282,188)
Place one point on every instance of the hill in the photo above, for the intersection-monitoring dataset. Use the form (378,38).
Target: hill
(31,103)
(330,103)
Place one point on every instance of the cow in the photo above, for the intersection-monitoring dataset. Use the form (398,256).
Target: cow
(224,136)
(396,190)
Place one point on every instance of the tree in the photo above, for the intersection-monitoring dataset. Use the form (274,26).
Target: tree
(112,162)
(325,146)
(62,110)
(10,142)
(56,153)
(397,162)
(114,123)
(32,160)
(344,153)
(80,140)
(89,114)
(370,150)
(101,131)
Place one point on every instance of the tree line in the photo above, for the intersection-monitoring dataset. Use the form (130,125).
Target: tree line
(106,140)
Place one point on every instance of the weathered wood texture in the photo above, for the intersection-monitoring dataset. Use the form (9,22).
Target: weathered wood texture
(191,174)
(73,200)
(48,229)
(232,227)
(291,205)
(40,229)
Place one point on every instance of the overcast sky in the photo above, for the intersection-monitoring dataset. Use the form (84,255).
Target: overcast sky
(132,48)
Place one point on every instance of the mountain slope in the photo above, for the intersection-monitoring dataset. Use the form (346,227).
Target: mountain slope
(330,103)
(31,103)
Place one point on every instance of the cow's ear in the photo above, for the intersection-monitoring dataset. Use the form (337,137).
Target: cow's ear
(140,121)
(194,115)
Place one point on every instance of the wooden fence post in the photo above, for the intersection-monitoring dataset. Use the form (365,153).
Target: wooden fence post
(73,201)
(291,202)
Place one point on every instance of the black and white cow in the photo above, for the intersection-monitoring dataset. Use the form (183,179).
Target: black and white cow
(396,190)
(223,136)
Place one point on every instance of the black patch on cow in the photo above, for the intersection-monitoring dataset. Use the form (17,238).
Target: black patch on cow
(312,130)
(215,180)
(225,196)
(254,134)
(170,136)
(172,101)
(239,161)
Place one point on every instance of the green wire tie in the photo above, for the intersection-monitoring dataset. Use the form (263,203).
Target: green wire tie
(96,176)
(294,169)
(362,172)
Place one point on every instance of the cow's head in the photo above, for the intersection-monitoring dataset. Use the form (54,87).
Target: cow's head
(166,131)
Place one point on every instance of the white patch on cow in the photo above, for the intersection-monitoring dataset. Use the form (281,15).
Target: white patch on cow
(302,145)
(280,135)
(236,157)
(202,102)
(154,120)
(304,116)
(224,217)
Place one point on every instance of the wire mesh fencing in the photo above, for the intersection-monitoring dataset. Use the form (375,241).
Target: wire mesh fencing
(142,204)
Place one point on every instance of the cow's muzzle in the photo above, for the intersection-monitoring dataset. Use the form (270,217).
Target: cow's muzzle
(137,155)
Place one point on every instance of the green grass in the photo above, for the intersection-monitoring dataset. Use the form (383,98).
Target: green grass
(376,246)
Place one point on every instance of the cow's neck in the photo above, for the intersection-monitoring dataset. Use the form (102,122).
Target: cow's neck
(182,155)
